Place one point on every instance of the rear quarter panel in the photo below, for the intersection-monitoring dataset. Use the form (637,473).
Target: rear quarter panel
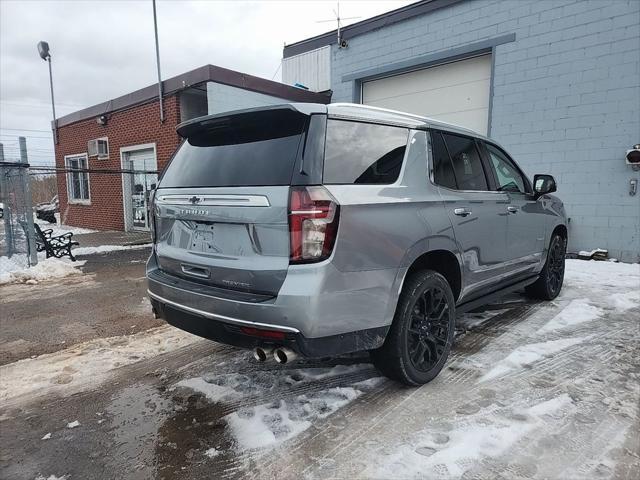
(386,227)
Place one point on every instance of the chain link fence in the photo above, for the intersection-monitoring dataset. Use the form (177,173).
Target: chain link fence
(17,234)
(22,184)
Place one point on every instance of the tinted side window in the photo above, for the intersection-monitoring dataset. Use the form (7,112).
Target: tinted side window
(466,162)
(508,176)
(442,167)
(363,153)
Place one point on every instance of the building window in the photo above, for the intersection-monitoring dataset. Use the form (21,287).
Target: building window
(77,180)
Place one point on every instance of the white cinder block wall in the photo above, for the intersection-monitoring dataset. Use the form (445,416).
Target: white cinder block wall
(566,96)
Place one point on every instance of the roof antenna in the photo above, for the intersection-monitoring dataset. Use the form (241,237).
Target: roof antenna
(342,43)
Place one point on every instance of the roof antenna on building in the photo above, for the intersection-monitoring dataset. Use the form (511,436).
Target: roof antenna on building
(342,43)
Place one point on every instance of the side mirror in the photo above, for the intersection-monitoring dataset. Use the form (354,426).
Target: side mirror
(543,184)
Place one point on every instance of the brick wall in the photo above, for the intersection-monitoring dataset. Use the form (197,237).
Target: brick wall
(566,96)
(138,125)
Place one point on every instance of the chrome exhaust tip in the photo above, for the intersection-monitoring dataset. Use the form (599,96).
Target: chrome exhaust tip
(260,354)
(284,355)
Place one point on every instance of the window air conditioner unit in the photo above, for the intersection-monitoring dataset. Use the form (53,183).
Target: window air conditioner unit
(98,148)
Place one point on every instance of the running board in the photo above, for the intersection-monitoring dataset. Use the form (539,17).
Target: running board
(493,296)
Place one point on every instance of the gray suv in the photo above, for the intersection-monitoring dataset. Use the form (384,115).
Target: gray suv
(316,230)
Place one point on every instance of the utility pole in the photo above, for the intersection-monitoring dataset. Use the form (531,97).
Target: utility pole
(155,28)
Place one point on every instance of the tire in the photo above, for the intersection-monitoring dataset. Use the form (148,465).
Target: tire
(421,335)
(549,283)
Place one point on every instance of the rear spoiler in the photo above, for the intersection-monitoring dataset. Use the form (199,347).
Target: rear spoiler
(221,120)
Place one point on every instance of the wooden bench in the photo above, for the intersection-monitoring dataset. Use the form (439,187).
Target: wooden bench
(59,246)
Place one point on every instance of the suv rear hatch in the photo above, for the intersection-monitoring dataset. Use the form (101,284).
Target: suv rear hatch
(221,208)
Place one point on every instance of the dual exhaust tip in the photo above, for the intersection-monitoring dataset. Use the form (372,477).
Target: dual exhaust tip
(281,355)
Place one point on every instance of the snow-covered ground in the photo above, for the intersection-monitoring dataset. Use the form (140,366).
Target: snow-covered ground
(86,365)
(107,248)
(532,390)
(60,229)
(16,269)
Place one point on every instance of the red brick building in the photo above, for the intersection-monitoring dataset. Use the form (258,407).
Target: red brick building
(107,155)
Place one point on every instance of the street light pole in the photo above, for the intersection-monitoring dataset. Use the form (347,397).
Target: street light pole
(155,29)
(43,50)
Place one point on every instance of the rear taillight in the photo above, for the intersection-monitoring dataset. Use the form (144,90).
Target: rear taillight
(313,224)
(151,213)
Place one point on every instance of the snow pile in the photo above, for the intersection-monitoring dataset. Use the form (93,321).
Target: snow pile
(85,365)
(578,311)
(271,424)
(51,477)
(450,453)
(528,354)
(14,269)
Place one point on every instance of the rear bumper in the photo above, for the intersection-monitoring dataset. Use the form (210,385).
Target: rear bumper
(233,334)
(321,311)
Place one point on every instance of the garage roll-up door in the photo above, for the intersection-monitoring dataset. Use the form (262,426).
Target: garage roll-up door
(455,92)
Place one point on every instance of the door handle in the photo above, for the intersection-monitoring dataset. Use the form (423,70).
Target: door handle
(462,212)
(512,209)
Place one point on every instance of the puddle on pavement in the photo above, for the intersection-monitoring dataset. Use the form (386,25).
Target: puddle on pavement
(135,414)
(195,426)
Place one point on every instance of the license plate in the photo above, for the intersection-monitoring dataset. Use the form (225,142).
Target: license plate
(202,239)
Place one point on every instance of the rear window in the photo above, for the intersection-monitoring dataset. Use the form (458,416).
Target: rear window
(244,150)
(363,153)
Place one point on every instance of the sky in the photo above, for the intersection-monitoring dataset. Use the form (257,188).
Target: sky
(102,49)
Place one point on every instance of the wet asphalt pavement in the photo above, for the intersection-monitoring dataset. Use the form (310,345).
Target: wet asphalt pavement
(142,424)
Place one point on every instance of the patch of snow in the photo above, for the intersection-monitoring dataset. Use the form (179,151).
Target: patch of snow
(46,437)
(469,321)
(625,301)
(449,453)
(214,392)
(323,373)
(527,355)
(229,386)
(51,477)
(598,275)
(15,269)
(107,248)
(369,383)
(551,406)
(271,424)
(73,424)
(212,452)
(86,365)
(578,311)
(59,229)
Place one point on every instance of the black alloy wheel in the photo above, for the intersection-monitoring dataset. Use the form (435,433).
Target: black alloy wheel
(421,335)
(429,329)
